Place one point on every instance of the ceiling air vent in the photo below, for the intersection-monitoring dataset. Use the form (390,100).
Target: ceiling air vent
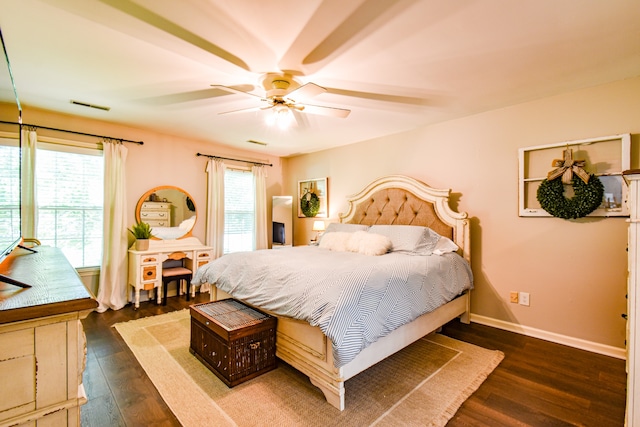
(252,141)
(86,104)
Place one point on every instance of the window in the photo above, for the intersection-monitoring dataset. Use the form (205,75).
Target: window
(69,192)
(69,188)
(239,216)
(605,157)
(9,189)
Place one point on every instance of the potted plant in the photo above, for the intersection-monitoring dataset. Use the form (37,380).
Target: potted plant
(142,232)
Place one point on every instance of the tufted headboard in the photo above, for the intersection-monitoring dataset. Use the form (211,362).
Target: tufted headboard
(401,200)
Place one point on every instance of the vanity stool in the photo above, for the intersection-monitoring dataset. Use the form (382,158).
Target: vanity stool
(178,274)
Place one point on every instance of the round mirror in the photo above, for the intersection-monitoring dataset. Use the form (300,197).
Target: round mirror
(170,211)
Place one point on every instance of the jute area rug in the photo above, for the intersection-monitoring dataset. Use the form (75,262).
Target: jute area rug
(422,385)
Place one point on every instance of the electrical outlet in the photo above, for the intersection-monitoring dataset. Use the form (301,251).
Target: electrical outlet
(523,298)
(513,297)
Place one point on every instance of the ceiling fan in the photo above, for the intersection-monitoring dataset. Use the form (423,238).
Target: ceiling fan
(280,91)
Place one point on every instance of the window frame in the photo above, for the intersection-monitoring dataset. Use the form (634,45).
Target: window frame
(610,162)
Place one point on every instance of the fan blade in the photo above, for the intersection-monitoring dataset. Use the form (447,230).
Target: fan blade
(234,90)
(196,95)
(325,111)
(243,110)
(161,16)
(300,119)
(318,43)
(308,90)
(399,99)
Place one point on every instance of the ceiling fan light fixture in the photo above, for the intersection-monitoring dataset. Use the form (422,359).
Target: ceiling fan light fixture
(280,116)
(281,92)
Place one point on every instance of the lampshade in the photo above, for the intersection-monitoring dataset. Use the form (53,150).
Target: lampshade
(318,226)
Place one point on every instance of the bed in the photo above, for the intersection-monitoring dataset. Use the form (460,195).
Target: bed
(306,332)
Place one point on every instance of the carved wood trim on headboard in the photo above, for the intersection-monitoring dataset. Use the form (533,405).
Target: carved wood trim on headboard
(401,200)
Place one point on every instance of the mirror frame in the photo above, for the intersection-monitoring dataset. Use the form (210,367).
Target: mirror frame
(145,197)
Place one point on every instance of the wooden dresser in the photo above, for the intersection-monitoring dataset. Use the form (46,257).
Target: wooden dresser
(633,301)
(42,342)
(156,214)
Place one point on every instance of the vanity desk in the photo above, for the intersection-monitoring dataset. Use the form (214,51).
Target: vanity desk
(171,213)
(145,267)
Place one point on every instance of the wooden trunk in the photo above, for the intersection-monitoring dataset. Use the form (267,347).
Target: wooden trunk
(233,340)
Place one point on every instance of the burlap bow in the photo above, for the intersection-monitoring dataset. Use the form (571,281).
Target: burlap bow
(567,167)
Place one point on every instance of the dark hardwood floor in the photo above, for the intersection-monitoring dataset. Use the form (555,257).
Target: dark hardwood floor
(540,383)
(537,384)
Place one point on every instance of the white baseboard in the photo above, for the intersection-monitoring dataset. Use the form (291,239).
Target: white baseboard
(607,350)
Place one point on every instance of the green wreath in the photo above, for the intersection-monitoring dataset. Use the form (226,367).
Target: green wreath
(310,204)
(587,197)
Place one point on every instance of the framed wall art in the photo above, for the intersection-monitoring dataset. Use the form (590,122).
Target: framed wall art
(313,198)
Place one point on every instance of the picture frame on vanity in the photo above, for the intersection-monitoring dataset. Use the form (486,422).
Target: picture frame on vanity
(317,187)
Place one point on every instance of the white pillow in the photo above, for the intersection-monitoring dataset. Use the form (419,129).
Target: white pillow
(359,242)
(345,227)
(444,246)
(409,239)
(368,243)
(335,241)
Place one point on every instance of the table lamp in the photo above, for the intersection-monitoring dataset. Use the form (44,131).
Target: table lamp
(318,227)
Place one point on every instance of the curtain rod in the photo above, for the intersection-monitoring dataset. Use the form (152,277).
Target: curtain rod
(72,131)
(235,160)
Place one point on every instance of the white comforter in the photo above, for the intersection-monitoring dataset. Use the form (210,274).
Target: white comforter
(355,299)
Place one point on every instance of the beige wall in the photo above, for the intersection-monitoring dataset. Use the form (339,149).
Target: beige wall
(575,271)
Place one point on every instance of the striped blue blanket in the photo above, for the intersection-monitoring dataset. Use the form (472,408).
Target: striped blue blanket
(354,299)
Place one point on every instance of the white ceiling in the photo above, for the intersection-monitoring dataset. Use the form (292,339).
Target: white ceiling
(397,65)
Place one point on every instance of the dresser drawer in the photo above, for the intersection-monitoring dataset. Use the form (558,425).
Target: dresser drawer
(150,259)
(158,223)
(149,272)
(145,215)
(156,205)
(202,258)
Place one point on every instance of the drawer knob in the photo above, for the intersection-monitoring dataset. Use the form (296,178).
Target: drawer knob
(149,273)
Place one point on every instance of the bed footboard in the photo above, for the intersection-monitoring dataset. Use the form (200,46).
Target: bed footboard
(308,350)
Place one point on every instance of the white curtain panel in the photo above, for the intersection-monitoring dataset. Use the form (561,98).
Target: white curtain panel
(112,291)
(29,212)
(215,206)
(260,185)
